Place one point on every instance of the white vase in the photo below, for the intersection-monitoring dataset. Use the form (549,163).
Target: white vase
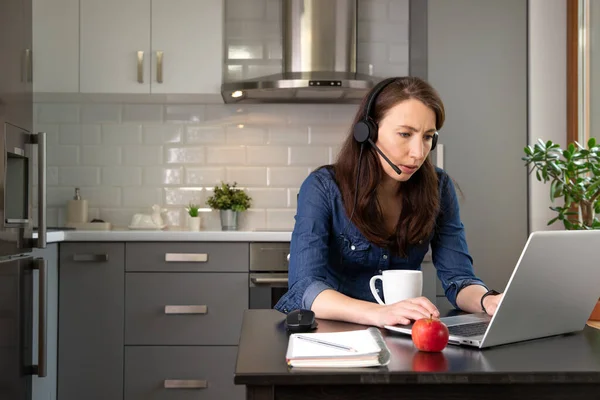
(194,224)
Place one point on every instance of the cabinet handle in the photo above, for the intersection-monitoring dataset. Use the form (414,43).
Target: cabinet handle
(259,281)
(140,67)
(40,368)
(186,257)
(186,309)
(28,66)
(159,66)
(90,257)
(185,384)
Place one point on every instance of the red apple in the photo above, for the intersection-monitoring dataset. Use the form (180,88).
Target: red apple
(429,362)
(430,334)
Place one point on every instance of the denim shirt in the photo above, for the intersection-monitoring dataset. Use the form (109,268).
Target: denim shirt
(327,251)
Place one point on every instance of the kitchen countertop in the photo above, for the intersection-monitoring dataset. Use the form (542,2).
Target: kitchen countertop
(167,236)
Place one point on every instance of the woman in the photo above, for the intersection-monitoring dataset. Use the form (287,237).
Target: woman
(362,215)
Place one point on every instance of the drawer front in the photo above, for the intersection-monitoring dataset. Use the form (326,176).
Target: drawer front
(181,373)
(187,257)
(184,308)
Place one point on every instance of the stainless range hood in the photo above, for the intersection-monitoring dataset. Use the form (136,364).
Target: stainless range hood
(319,58)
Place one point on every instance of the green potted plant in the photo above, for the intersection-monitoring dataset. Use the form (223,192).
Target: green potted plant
(230,201)
(574,175)
(194,217)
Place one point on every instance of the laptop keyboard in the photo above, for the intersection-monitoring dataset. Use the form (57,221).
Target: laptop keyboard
(474,329)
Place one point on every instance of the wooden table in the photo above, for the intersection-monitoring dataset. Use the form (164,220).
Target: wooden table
(560,367)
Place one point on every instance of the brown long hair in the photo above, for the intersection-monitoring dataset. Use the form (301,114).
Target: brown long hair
(420,194)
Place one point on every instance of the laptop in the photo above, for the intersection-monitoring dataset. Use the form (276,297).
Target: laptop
(552,290)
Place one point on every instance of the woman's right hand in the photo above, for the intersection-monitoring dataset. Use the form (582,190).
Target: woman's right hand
(404,312)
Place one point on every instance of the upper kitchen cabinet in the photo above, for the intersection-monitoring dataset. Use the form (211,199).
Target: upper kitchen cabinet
(56,46)
(187,34)
(115,46)
(151,46)
(16,103)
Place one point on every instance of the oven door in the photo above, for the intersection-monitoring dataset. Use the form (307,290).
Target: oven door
(266,289)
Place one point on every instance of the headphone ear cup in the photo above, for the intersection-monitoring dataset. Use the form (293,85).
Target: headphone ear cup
(363,131)
(434,140)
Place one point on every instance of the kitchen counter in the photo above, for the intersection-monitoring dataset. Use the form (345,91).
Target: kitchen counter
(167,236)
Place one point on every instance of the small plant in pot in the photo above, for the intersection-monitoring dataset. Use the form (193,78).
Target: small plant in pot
(194,219)
(574,175)
(230,201)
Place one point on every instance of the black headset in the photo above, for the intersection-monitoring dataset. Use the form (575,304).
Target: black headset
(367,127)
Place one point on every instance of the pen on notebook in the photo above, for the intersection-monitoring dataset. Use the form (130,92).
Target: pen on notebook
(325,343)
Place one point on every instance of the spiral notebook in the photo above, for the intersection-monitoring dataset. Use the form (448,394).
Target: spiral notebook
(358,348)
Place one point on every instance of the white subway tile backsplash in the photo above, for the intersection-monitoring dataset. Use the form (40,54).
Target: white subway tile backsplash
(100,155)
(160,176)
(288,135)
(267,155)
(105,196)
(244,135)
(268,198)
(185,155)
(80,134)
(184,196)
(280,219)
(247,176)
(62,155)
(161,134)
(51,113)
(141,196)
(51,176)
(329,134)
(100,113)
(121,176)
(232,155)
(126,155)
(78,176)
(186,114)
(204,176)
(309,155)
(142,155)
(142,113)
(121,134)
(207,134)
(287,176)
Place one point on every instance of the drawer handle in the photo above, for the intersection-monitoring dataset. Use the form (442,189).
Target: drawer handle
(268,280)
(186,384)
(186,309)
(90,257)
(186,257)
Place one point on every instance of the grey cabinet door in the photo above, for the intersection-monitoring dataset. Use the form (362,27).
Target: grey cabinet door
(185,308)
(158,372)
(45,388)
(91,323)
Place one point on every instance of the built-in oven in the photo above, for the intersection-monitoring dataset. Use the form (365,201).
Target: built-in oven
(17,152)
(268,280)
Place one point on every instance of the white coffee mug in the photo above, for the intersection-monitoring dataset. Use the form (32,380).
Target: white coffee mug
(398,285)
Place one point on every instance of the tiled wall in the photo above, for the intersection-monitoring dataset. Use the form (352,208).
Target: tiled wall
(126,157)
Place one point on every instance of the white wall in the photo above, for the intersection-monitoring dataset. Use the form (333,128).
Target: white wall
(547,95)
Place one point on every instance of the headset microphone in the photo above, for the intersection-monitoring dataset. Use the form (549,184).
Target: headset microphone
(394,166)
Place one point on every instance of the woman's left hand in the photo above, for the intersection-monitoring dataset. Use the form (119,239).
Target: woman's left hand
(491,303)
